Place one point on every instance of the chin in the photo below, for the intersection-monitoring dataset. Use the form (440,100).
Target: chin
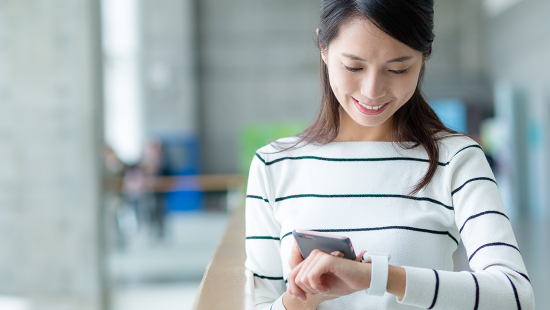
(362,121)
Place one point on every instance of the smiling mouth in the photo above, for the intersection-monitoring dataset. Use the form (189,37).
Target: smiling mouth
(371,107)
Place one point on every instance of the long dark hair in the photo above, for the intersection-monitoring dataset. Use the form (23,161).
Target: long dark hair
(410,22)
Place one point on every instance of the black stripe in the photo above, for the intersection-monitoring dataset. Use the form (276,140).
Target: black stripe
(480,214)
(521,274)
(264,238)
(286,235)
(260,157)
(257,197)
(515,292)
(472,180)
(477,292)
(436,289)
(492,244)
(364,196)
(464,148)
(435,232)
(268,278)
(268,163)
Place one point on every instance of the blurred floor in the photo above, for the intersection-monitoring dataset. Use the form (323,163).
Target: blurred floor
(150,274)
(177,296)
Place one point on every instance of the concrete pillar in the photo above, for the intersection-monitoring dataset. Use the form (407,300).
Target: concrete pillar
(168,47)
(50,147)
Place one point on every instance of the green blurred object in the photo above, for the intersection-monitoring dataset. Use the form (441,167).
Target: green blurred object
(254,136)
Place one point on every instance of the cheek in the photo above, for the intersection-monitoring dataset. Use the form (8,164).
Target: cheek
(340,84)
(407,87)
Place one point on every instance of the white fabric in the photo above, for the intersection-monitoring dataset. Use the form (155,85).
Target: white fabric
(361,190)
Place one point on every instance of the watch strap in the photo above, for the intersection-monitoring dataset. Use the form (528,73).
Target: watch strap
(379,272)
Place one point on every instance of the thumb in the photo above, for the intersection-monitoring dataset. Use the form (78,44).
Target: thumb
(337,254)
(295,256)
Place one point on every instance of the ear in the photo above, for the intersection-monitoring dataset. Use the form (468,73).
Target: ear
(323,49)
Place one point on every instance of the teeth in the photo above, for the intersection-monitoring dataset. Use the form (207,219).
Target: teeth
(370,107)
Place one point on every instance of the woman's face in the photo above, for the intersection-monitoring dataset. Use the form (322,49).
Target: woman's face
(372,75)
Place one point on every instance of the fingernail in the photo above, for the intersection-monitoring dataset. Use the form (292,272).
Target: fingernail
(301,298)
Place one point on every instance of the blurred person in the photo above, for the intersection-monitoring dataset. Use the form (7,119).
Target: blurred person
(119,217)
(152,165)
(379,166)
(131,215)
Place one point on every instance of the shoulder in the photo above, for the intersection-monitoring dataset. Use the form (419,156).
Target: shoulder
(453,145)
(282,147)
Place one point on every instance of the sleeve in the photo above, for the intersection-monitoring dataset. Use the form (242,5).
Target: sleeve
(263,243)
(499,279)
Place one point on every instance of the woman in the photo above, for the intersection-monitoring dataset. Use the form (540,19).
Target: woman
(378,166)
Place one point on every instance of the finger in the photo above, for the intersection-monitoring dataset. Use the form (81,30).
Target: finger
(337,254)
(301,278)
(295,256)
(359,257)
(322,265)
(309,280)
(293,288)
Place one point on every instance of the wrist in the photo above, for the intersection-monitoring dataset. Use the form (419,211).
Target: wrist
(291,302)
(397,281)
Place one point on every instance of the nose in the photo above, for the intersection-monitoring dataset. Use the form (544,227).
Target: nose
(373,86)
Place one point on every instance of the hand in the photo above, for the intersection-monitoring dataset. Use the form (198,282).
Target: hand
(324,276)
(295,256)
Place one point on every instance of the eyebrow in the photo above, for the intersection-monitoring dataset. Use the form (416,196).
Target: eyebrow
(398,59)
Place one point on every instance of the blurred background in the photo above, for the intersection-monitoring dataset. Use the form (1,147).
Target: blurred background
(127,128)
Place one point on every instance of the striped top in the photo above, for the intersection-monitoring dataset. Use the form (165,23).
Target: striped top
(362,190)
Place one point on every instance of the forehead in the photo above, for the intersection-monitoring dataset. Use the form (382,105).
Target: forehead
(362,38)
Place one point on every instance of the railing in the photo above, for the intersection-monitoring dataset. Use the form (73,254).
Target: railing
(231,183)
(165,184)
(226,283)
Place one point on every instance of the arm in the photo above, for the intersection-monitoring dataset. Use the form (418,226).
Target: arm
(262,240)
(499,280)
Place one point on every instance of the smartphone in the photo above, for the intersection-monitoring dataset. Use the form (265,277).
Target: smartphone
(310,240)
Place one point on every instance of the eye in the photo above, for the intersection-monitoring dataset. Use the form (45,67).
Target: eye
(351,69)
(398,72)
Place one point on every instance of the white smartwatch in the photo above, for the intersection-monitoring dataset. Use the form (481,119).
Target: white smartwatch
(379,272)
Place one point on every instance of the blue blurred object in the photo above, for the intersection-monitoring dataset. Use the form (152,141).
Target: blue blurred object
(181,157)
(452,113)
(184,201)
